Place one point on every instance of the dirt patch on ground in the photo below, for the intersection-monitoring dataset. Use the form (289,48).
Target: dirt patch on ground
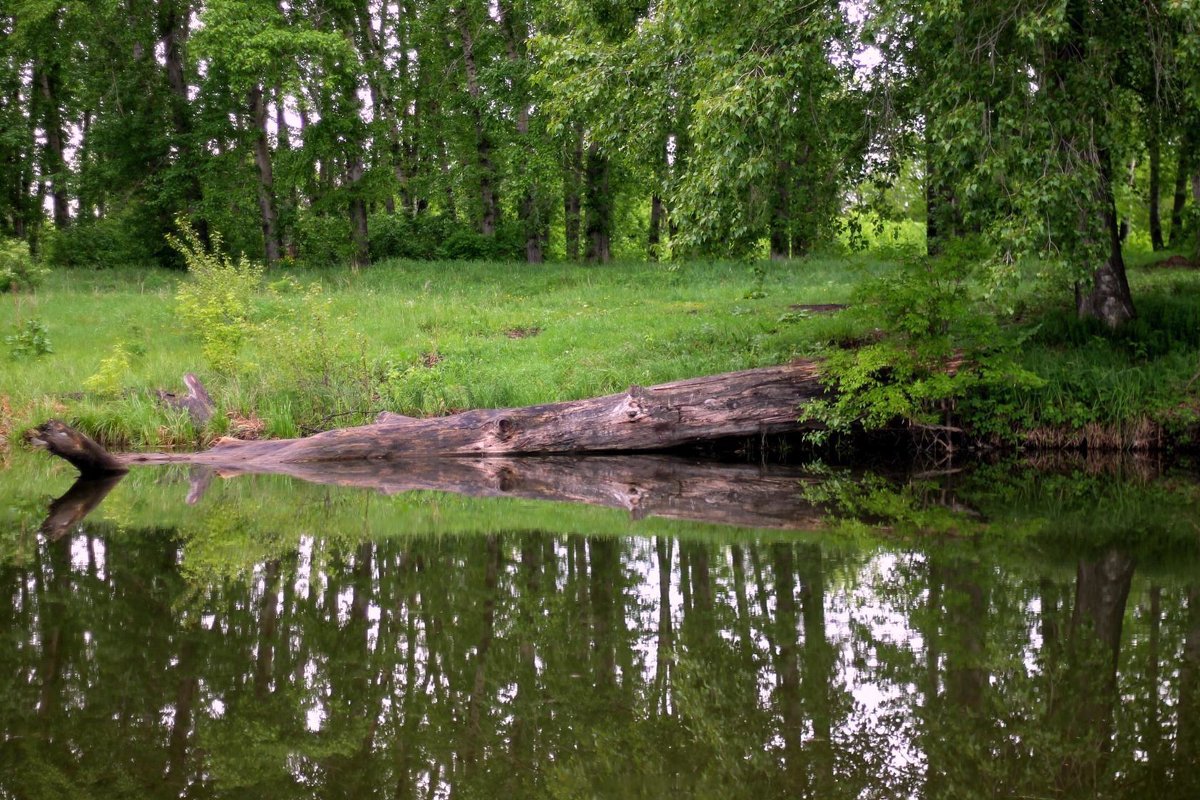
(522,333)
(246,428)
(1175,262)
(431,359)
(818,308)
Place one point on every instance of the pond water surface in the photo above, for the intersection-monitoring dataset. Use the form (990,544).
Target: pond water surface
(998,632)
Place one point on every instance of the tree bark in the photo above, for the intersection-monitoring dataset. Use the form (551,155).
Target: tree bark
(598,205)
(572,193)
(490,206)
(54,162)
(266,181)
(1182,165)
(1154,145)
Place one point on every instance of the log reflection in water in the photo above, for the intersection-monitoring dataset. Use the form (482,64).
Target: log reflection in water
(80,500)
(647,486)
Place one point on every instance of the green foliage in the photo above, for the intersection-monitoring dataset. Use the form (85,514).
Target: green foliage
(936,346)
(32,340)
(216,301)
(18,271)
(113,373)
(114,241)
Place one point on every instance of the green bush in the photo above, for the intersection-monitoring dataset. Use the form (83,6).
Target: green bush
(216,300)
(31,340)
(18,270)
(937,345)
(323,241)
(429,237)
(97,244)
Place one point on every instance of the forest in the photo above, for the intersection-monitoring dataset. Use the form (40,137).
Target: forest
(346,131)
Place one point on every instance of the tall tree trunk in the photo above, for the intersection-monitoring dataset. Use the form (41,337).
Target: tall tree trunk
(266,181)
(598,205)
(489,204)
(54,164)
(573,193)
(358,213)
(1182,165)
(780,211)
(1154,145)
(1108,299)
(515,34)
(658,213)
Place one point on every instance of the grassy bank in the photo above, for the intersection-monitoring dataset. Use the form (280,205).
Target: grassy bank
(315,350)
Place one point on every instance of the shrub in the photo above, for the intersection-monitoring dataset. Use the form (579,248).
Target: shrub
(101,243)
(114,368)
(937,345)
(31,340)
(215,302)
(18,271)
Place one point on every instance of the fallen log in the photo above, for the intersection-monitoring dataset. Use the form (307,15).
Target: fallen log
(746,403)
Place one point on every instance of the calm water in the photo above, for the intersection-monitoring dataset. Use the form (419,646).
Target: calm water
(1001,632)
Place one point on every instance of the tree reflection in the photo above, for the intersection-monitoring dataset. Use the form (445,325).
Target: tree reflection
(542,665)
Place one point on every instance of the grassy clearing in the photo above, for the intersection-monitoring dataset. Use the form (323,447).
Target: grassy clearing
(425,338)
(416,338)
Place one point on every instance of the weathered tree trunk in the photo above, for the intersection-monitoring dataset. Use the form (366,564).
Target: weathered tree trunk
(750,402)
(266,180)
(1109,299)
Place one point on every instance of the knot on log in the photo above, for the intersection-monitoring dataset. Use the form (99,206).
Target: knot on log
(505,429)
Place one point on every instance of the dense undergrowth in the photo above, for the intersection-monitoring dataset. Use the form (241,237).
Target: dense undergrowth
(293,351)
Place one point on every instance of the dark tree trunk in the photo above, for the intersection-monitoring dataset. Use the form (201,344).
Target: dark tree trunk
(1108,299)
(1101,592)
(54,164)
(515,34)
(598,205)
(1182,165)
(572,193)
(266,181)
(1155,148)
(658,213)
(489,204)
(780,213)
(174,32)
(1196,203)
(358,215)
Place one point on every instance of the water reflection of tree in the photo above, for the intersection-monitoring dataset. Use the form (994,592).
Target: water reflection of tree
(544,665)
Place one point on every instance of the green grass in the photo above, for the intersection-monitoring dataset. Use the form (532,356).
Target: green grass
(413,337)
